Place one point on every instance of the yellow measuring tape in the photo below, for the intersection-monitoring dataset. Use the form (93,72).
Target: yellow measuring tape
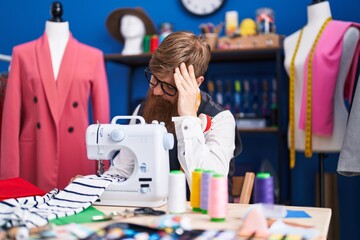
(308,124)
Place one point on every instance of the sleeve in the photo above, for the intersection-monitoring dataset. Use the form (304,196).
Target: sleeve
(10,159)
(100,92)
(349,158)
(212,150)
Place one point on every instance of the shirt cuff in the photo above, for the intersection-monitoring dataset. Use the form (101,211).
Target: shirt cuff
(187,127)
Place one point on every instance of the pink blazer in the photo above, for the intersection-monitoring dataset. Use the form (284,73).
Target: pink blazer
(44,121)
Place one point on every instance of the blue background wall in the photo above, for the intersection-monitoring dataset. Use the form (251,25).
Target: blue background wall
(23,20)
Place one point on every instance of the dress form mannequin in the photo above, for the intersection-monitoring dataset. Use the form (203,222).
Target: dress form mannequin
(57,31)
(318,12)
(133,30)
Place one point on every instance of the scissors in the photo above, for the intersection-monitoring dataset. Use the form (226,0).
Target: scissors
(147,211)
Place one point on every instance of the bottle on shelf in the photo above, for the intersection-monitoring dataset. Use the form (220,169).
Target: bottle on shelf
(255,98)
(211,88)
(228,96)
(237,98)
(219,93)
(265,101)
(274,103)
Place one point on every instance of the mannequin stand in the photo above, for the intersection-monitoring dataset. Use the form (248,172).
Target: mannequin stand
(321,157)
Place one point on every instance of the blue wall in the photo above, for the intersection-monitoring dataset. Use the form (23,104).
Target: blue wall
(24,20)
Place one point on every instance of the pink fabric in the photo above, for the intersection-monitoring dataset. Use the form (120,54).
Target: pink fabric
(44,124)
(325,67)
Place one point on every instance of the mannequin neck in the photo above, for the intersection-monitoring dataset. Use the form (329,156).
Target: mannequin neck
(132,46)
(318,12)
(57,30)
(58,35)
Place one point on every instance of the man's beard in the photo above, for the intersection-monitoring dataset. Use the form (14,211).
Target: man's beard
(157,108)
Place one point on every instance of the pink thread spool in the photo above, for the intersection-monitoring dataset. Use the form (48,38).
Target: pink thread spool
(218,198)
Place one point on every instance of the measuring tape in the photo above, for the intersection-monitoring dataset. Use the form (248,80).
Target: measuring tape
(308,124)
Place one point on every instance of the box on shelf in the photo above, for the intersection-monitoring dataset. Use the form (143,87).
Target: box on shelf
(270,40)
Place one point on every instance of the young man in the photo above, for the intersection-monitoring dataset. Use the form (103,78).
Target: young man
(205,133)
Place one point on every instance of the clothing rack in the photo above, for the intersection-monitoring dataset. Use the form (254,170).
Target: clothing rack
(5,58)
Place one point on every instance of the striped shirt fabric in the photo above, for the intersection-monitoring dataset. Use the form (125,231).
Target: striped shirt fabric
(37,211)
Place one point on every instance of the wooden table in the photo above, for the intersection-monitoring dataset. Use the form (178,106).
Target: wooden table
(320,218)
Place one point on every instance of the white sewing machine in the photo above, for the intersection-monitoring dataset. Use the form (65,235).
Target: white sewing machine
(149,143)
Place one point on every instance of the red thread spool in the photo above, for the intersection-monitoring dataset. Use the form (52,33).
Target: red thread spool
(154,42)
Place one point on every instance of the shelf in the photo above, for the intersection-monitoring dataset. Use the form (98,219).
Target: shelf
(216,56)
(259,130)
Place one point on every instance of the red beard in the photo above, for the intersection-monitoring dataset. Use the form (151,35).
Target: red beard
(157,108)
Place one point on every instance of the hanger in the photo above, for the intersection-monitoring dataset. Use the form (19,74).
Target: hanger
(5,58)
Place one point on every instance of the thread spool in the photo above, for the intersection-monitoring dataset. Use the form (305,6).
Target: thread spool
(218,198)
(177,192)
(154,43)
(264,188)
(146,44)
(204,191)
(195,189)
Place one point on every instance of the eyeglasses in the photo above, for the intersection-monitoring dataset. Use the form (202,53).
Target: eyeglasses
(166,87)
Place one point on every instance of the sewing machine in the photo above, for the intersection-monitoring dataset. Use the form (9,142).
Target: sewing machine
(149,144)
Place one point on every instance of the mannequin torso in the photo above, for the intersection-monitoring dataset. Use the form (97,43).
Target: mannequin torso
(58,35)
(317,15)
(133,31)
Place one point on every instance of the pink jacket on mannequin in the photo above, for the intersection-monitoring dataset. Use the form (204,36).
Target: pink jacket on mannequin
(44,121)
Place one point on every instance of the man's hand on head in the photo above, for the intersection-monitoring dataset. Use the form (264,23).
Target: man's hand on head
(185,80)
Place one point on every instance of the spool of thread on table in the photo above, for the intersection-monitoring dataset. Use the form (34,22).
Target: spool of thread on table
(218,198)
(264,188)
(205,188)
(195,189)
(177,192)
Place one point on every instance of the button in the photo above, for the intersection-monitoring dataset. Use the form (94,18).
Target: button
(70,129)
(38,125)
(35,99)
(186,127)
(144,190)
(75,104)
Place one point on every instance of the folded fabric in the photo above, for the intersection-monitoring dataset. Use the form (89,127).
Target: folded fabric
(37,211)
(82,217)
(18,187)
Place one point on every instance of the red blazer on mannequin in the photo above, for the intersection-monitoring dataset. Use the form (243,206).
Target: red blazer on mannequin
(44,121)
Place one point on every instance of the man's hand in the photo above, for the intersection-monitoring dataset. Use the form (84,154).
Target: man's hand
(189,92)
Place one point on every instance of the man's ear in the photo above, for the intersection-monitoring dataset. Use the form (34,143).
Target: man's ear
(199,80)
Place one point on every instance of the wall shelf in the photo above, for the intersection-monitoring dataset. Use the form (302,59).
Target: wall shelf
(216,56)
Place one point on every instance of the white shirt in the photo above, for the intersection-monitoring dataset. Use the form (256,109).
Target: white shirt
(211,150)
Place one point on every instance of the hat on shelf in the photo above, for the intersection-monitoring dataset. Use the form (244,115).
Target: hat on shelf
(114,19)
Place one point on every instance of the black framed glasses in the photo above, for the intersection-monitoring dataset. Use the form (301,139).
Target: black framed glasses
(166,87)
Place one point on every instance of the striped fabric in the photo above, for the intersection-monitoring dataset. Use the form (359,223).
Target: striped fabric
(37,211)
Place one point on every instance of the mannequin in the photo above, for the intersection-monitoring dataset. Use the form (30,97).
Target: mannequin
(133,30)
(318,12)
(57,31)
(51,80)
